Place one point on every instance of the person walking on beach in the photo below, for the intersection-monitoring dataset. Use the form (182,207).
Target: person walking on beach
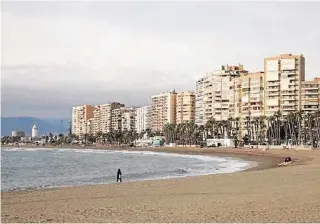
(119,176)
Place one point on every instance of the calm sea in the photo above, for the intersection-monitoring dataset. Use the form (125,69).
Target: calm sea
(23,168)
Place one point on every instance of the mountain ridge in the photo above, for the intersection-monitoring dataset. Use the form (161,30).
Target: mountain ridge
(45,125)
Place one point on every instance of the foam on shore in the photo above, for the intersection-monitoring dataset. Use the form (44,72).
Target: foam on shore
(206,165)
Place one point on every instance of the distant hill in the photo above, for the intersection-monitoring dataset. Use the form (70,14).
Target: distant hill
(45,126)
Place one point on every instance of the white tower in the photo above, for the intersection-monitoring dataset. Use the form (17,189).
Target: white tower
(35,131)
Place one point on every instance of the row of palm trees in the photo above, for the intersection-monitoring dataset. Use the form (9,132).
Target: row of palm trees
(295,128)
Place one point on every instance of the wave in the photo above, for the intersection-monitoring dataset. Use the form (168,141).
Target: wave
(101,151)
(229,162)
(187,165)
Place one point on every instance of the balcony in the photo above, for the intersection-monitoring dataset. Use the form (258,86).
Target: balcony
(310,102)
(310,108)
(288,103)
(289,99)
(310,87)
(273,93)
(288,71)
(293,108)
(289,93)
(310,93)
(273,84)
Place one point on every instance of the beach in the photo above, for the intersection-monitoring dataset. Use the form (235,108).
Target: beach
(265,193)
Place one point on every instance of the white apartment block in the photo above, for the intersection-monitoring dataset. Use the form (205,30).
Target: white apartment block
(199,113)
(163,110)
(284,75)
(310,96)
(80,116)
(216,94)
(185,107)
(142,119)
(90,126)
(128,121)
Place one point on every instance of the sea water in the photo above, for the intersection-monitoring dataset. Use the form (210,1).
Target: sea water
(24,168)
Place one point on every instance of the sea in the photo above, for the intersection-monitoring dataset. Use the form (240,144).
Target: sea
(34,168)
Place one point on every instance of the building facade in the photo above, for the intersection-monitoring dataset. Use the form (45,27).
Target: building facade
(103,117)
(310,96)
(142,119)
(185,107)
(284,76)
(249,98)
(163,110)
(80,116)
(18,133)
(199,117)
(90,126)
(128,119)
(215,94)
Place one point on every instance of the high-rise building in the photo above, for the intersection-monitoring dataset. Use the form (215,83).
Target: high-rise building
(248,98)
(123,119)
(116,119)
(185,107)
(80,116)
(199,117)
(163,110)
(128,121)
(90,126)
(142,118)
(103,117)
(283,77)
(216,94)
(96,120)
(310,96)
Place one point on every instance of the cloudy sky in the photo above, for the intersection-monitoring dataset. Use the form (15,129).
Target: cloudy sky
(56,55)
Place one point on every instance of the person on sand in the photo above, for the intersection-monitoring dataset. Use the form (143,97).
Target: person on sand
(287,159)
(119,176)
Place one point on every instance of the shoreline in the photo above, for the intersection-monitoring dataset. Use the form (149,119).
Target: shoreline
(255,162)
(266,193)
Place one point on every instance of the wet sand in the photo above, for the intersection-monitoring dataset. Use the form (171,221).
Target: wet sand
(266,193)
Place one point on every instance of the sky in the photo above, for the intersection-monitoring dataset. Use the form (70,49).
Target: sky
(55,55)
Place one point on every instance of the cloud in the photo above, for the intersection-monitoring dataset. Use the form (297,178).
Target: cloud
(82,52)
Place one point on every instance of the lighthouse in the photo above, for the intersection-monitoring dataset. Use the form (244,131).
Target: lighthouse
(35,131)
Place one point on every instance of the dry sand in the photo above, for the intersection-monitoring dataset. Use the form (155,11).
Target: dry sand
(262,194)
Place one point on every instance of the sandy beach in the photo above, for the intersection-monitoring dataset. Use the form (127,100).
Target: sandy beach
(265,193)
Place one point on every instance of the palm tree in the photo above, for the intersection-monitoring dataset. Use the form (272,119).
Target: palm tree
(99,135)
(210,126)
(169,133)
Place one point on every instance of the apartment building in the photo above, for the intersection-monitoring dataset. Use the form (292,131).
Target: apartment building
(215,94)
(142,118)
(310,96)
(248,98)
(103,117)
(123,119)
(199,117)
(163,110)
(185,107)
(96,120)
(128,119)
(80,116)
(90,126)
(116,119)
(284,75)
